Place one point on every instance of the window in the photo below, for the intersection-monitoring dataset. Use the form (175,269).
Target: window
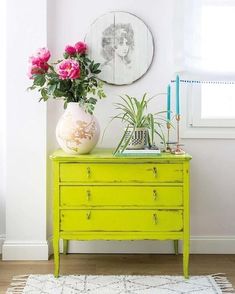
(217,37)
(218,101)
(213,105)
(209,65)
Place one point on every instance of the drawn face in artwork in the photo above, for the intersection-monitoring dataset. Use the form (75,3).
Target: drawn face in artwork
(122,47)
(118,40)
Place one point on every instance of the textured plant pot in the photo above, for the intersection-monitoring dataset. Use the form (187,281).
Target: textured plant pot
(139,139)
(77,131)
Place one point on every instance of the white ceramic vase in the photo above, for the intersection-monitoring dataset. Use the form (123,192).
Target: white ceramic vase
(77,131)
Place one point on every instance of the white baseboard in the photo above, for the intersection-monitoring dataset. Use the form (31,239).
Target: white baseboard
(2,239)
(41,250)
(198,245)
(213,244)
(25,250)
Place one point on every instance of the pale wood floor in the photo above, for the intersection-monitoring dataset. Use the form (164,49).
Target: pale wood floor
(116,264)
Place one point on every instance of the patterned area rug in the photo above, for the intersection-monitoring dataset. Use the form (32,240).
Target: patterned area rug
(47,284)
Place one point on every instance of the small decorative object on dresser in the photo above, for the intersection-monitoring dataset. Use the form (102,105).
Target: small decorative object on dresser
(141,127)
(77,131)
(104,197)
(72,79)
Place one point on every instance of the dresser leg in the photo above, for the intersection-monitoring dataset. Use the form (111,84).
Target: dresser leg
(65,246)
(186,259)
(56,257)
(176,247)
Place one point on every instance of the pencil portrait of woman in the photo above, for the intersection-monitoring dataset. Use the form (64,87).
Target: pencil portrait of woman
(117,48)
(123,45)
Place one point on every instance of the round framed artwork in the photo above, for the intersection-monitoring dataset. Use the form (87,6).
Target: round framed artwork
(123,45)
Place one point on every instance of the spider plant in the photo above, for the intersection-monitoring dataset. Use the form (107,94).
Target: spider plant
(134,114)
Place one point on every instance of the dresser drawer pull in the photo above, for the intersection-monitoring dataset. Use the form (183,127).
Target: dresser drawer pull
(155,195)
(155,172)
(88,195)
(88,172)
(88,215)
(155,218)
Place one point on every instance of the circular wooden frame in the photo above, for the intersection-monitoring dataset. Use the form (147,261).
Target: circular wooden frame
(123,44)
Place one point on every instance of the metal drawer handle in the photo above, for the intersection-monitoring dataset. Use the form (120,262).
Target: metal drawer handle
(88,195)
(155,195)
(154,172)
(88,215)
(155,220)
(88,172)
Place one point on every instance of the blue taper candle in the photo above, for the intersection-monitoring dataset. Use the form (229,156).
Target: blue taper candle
(168,103)
(177,87)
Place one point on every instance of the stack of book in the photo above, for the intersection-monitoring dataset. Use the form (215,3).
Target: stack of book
(139,152)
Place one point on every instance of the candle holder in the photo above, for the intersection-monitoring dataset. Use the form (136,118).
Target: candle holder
(178,150)
(168,148)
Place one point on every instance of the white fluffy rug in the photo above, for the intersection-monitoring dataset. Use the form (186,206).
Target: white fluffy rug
(47,284)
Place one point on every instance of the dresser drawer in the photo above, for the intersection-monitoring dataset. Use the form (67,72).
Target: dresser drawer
(120,196)
(146,172)
(121,220)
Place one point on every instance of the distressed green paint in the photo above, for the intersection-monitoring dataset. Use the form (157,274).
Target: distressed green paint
(176,247)
(186,239)
(56,220)
(65,246)
(114,195)
(121,235)
(102,197)
(115,220)
(118,172)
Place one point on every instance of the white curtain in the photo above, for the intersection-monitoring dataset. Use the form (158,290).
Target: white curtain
(204,39)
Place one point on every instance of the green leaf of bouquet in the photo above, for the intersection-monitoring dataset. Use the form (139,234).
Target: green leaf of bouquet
(86,59)
(96,66)
(39,80)
(92,100)
(31,88)
(91,66)
(51,89)
(64,85)
(58,93)
(44,94)
(66,55)
(93,81)
(65,104)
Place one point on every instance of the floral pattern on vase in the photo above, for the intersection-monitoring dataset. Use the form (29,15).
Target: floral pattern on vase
(77,131)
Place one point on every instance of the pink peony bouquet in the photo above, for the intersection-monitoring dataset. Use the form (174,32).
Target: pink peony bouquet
(73,78)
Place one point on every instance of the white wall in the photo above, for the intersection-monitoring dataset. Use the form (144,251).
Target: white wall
(2,121)
(212,167)
(25,136)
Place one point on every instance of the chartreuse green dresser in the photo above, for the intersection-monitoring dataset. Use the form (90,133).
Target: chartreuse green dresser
(104,197)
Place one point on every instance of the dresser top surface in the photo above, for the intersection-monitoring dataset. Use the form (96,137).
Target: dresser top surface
(107,155)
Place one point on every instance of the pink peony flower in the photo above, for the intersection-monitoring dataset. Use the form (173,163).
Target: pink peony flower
(34,60)
(38,62)
(68,69)
(37,67)
(70,50)
(81,47)
(35,70)
(43,54)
